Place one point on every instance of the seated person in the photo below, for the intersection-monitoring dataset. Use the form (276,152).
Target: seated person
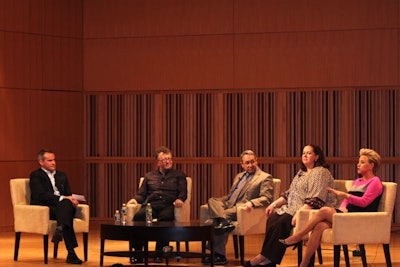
(307,191)
(165,188)
(364,195)
(251,188)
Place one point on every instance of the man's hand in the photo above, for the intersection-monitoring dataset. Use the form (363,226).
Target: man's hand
(178,203)
(132,201)
(74,201)
(248,206)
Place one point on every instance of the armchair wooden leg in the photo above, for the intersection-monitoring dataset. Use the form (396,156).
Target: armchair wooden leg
(241,249)
(346,255)
(45,247)
(336,255)
(16,247)
(299,253)
(363,256)
(55,250)
(235,245)
(387,255)
(312,261)
(85,245)
(319,252)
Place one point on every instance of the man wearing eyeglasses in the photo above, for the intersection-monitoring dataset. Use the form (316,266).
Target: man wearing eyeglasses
(251,188)
(165,188)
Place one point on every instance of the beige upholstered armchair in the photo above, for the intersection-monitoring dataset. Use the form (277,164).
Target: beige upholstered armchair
(361,227)
(246,224)
(36,219)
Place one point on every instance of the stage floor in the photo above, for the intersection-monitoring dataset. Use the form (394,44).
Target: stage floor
(31,252)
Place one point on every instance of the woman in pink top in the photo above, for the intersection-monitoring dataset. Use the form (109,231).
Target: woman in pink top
(364,195)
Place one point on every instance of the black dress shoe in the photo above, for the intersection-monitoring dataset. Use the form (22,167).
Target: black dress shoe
(57,236)
(224,226)
(136,260)
(73,259)
(218,260)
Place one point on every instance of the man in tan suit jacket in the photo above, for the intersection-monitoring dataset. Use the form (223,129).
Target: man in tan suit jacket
(251,188)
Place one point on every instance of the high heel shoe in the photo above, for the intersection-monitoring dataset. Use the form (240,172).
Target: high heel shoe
(294,245)
(248,264)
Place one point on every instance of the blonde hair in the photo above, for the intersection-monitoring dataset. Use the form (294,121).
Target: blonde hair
(373,157)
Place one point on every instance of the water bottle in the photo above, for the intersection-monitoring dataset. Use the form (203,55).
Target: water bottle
(149,214)
(124,212)
(117,217)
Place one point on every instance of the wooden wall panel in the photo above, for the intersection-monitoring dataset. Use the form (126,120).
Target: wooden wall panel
(196,62)
(20,124)
(256,16)
(63,18)
(127,18)
(21,63)
(41,48)
(208,131)
(62,63)
(317,59)
(33,119)
(15,15)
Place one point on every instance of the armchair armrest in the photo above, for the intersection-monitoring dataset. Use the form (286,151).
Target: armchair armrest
(351,227)
(82,218)
(204,213)
(302,217)
(250,222)
(132,209)
(82,212)
(183,214)
(31,219)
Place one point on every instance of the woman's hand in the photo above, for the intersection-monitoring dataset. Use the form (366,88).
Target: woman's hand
(338,193)
(269,209)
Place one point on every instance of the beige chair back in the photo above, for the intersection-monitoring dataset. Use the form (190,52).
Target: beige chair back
(388,197)
(20,191)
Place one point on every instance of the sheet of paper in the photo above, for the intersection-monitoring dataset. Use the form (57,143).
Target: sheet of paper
(80,198)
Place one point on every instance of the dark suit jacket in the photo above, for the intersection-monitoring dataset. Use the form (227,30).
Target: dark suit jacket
(42,192)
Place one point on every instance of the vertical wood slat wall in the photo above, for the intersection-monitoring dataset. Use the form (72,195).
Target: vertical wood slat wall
(193,125)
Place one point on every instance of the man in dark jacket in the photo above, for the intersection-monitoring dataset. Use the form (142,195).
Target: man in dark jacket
(51,188)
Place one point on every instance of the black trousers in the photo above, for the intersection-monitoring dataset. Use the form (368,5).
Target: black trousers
(64,214)
(163,211)
(278,227)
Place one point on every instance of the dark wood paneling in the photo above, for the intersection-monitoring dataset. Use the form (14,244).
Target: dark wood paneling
(20,65)
(62,18)
(317,59)
(195,62)
(15,15)
(35,119)
(252,16)
(207,132)
(62,63)
(128,18)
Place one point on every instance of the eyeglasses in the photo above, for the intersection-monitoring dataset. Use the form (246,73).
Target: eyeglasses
(165,159)
(251,162)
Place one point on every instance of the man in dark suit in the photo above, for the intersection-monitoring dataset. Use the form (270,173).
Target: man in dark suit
(51,188)
(251,188)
